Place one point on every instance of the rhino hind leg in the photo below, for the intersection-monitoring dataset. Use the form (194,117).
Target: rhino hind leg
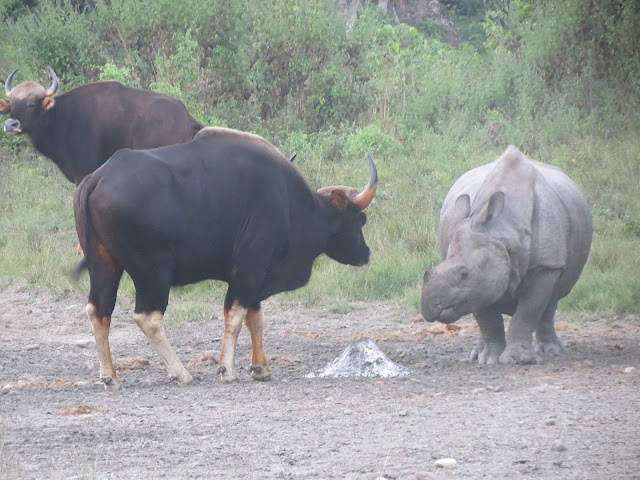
(492,339)
(546,339)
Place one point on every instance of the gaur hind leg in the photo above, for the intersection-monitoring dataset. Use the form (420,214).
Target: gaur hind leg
(546,339)
(259,367)
(233,317)
(536,293)
(104,277)
(492,340)
(152,297)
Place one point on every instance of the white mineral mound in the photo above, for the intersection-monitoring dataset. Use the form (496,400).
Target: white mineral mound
(362,359)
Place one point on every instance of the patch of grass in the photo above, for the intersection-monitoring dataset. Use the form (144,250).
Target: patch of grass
(198,302)
(610,281)
(38,239)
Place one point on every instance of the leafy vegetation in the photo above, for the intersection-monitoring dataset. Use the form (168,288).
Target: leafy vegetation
(560,80)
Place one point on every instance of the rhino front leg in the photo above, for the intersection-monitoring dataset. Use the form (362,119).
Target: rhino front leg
(546,339)
(536,291)
(492,340)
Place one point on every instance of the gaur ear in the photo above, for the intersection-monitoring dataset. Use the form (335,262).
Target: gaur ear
(463,207)
(494,207)
(339,200)
(48,103)
(4,106)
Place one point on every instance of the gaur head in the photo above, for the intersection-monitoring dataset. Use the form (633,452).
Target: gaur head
(27,102)
(475,272)
(345,242)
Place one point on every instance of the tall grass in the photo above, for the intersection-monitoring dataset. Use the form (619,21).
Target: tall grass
(38,240)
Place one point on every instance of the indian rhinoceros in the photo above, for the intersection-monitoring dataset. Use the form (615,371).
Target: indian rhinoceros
(515,235)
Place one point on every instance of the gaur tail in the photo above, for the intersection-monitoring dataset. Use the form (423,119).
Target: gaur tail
(83,222)
(79,270)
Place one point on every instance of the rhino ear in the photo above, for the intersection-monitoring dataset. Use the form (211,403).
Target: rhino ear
(493,208)
(463,206)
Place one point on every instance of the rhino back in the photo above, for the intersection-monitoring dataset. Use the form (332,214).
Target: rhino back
(578,227)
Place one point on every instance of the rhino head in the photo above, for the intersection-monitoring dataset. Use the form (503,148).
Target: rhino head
(476,270)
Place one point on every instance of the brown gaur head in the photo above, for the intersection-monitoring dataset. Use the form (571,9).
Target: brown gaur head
(27,102)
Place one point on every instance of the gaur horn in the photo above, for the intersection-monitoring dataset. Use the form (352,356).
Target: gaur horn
(364,198)
(7,83)
(54,83)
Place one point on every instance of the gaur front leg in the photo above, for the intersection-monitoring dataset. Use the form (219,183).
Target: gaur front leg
(259,367)
(536,291)
(233,318)
(101,326)
(151,325)
(492,340)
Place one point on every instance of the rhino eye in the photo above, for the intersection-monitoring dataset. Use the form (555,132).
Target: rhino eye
(464,275)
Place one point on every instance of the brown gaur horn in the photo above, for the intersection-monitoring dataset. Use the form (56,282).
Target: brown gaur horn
(54,83)
(364,198)
(7,83)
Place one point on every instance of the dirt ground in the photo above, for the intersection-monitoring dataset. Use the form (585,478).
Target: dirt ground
(575,416)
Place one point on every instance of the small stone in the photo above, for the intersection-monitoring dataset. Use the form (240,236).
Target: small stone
(558,446)
(403,413)
(448,463)
(494,389)
(549,422)
(630,369)
(6,388)
(478,390)
(83,343)
(33,346)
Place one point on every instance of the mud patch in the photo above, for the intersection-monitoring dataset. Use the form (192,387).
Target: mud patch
(572,416)
(81,410)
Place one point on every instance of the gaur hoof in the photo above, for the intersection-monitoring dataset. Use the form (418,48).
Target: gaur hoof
(183,382)
(226,376)
(259,373)
(111,383)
